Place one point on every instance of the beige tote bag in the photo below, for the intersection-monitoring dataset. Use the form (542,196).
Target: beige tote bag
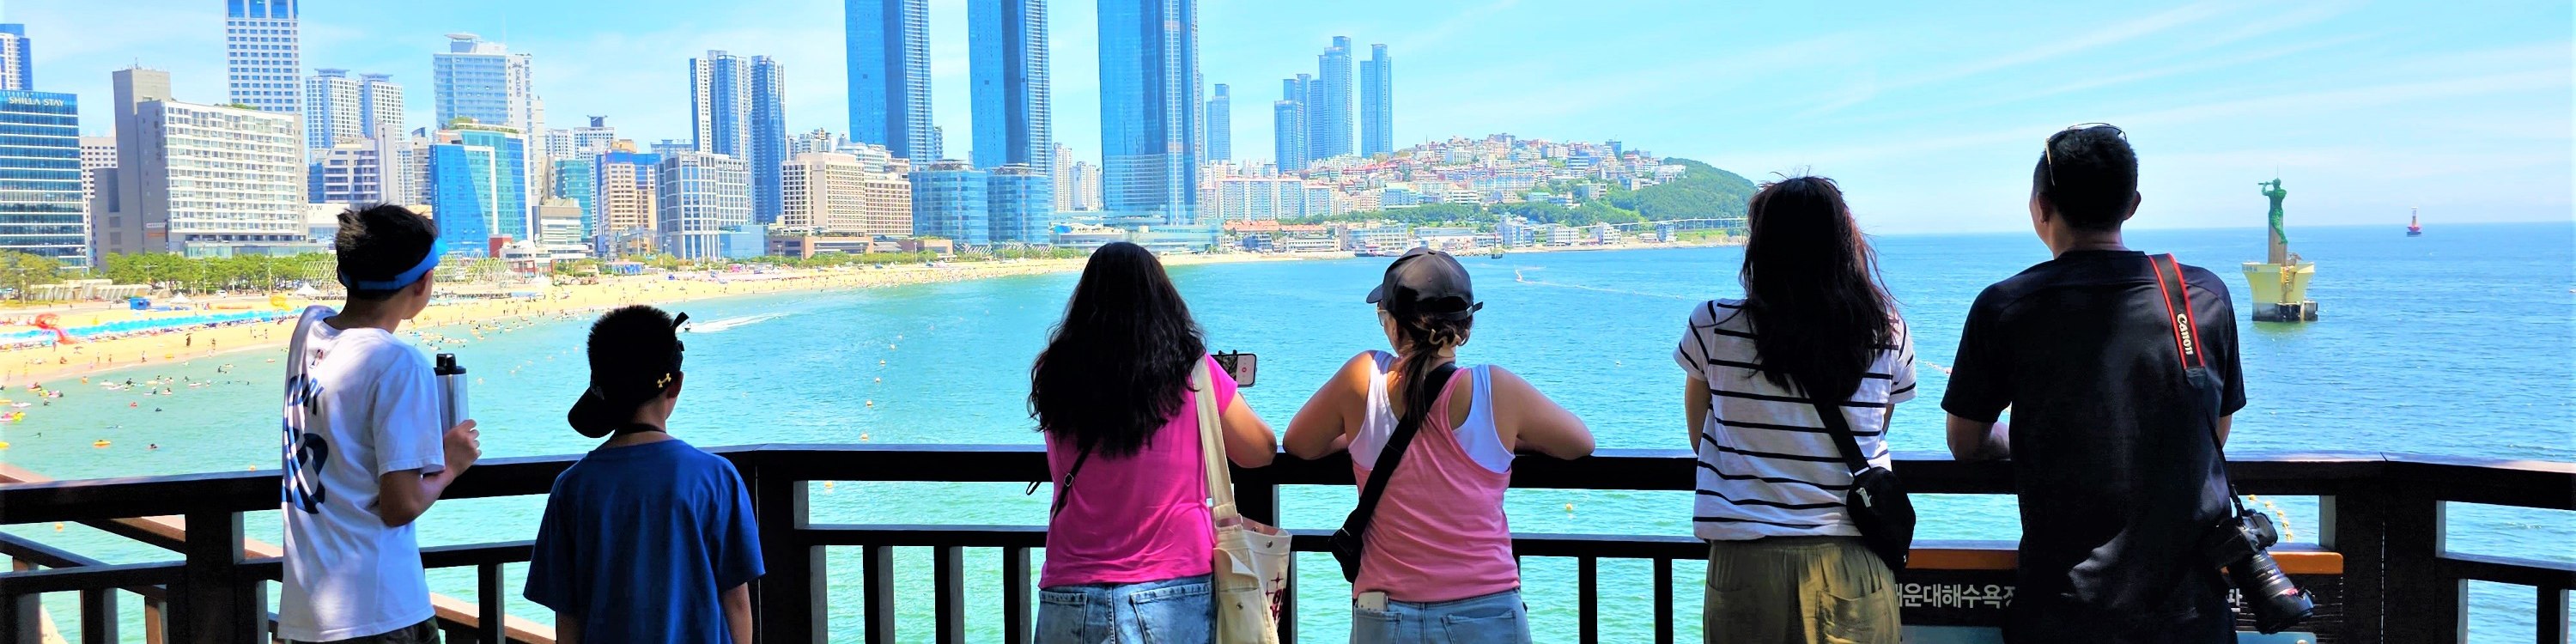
(1251,567)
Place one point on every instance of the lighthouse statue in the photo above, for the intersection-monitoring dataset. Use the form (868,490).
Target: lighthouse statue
(2280,281)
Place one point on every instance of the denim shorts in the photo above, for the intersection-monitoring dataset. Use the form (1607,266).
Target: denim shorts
(425,632)
(1171,611)
(1499,617)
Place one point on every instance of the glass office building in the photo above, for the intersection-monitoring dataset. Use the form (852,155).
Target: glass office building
(40,177)
(573,180)
(1019,205)
(1149,104)
(949,200)
(263,55)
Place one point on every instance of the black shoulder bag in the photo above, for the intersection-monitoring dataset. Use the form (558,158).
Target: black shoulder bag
(1347,542)
(1877,502)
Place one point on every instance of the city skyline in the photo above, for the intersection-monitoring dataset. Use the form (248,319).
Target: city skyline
(1926,114)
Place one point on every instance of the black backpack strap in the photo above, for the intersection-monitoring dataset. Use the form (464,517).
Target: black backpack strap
(1387,459)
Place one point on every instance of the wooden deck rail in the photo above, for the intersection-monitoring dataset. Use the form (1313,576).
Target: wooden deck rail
(2380,540)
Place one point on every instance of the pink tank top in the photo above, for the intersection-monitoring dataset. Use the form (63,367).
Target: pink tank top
(1439,534)
(1138,518)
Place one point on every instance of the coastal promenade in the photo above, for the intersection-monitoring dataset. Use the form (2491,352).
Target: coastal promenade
(2380,572)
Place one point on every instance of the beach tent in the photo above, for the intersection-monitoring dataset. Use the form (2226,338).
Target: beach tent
(181,299)
(307,291)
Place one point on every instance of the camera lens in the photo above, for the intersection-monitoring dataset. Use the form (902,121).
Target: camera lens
(2276,601)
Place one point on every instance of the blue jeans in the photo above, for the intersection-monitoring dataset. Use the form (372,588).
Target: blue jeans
(1171,611)
(1499,617)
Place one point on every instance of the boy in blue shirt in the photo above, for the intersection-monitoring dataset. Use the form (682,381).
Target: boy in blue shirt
(646,539)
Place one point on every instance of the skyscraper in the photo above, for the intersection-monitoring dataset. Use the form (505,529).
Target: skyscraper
(16,70)
(949,200)
(739,106)
(485,82)
(1007,43)
(701,195)
(1328,103)
(164,197)
(1377,103)
(40,177)
(337,108)
(889,60)
(1220,125)
(1063,178)
(1149,69)
(1288,124)
(262,48)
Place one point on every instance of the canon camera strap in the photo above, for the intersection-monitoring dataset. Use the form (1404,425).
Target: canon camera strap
(2186,334)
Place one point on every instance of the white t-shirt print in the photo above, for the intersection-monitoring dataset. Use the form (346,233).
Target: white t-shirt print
(359,403)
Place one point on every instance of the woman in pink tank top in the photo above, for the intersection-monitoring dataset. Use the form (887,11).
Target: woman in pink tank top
(1437,565)
(1129,542)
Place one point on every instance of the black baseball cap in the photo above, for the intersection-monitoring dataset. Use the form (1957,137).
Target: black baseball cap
(1426,281)
(634,354)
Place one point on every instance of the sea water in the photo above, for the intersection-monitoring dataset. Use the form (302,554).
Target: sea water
(2456,343)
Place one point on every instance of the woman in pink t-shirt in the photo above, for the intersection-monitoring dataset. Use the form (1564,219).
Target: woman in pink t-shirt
(1130,541)
(1437,566)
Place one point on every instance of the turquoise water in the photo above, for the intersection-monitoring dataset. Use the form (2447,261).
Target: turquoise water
(2459,342)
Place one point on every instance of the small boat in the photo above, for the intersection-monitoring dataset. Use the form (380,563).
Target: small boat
(1497,254)
(2414,224)
(101,443)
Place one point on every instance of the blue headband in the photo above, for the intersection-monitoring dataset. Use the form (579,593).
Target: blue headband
(407,278)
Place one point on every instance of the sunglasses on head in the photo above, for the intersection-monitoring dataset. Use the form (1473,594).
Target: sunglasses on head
(2048,151)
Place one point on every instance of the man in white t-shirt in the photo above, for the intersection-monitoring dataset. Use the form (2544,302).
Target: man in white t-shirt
(363,448)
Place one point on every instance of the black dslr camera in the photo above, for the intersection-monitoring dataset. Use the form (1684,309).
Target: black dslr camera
(2238,543)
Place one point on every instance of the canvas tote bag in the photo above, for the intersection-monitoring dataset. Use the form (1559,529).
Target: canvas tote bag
(1251,567)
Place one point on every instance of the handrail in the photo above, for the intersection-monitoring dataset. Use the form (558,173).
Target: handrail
(2538,484)
(2380,537)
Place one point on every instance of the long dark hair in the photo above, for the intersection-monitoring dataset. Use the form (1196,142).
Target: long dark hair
(1812,290)
(1114,370)
(1421,337)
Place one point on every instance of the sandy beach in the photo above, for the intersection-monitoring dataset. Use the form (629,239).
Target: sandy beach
(456,314)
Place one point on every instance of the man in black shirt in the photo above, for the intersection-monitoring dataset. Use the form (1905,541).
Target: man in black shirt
(2118,473)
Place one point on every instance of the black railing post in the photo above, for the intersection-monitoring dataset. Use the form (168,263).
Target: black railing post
(489,618)
(948,594)
(1017,625)
(2553,615)
(1664,601)
(2354,524)
(1588,601)
(878,583)
(22,621)
(2421,604)
(98,616)
(787,599)
(214,601)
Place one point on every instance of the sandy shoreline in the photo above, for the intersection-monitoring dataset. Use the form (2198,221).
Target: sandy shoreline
(24,367)
(46,365)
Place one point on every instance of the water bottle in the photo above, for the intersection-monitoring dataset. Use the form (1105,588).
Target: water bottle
(451,392)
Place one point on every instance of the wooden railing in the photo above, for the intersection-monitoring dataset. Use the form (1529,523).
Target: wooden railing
(2380,561)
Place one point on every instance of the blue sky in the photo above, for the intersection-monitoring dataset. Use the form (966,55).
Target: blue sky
(1929,116)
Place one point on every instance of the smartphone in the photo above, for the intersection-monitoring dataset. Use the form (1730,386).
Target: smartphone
(1243,366)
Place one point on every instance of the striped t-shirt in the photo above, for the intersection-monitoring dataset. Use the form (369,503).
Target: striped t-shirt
(1767,468)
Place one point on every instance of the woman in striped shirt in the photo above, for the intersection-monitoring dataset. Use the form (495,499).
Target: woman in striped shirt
(1814,330)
